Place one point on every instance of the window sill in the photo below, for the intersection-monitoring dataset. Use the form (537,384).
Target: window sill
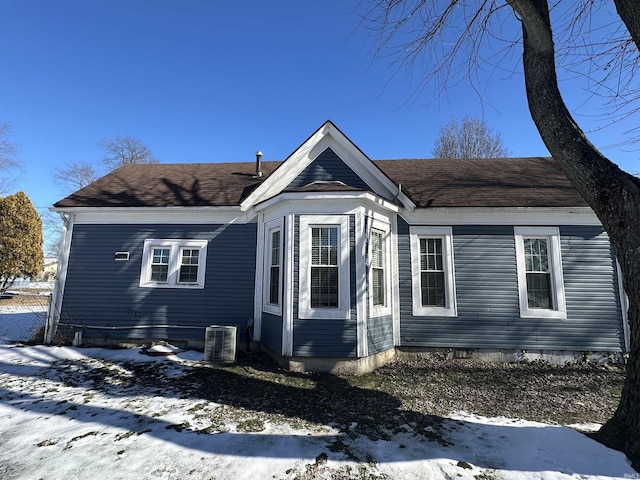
(434,312)
(169,285)
(542,313)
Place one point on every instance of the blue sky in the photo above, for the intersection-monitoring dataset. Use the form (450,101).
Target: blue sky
(209,81)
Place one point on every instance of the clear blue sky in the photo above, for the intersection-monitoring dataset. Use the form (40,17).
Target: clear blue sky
(211,81)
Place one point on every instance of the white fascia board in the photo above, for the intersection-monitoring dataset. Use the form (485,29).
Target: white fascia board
(157,215)
(325,201)
(287,171)
(502,216)
(327,136)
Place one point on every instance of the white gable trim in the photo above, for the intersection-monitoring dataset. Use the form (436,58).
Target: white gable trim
(327,136)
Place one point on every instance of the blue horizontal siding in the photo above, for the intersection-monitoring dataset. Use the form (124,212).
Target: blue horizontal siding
(324,337)
(105,293)
(271,331)
(328,167)
(379,334)
(487,295)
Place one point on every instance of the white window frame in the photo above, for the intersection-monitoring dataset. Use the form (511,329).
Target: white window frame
(385,230)
(446,235)
(175,248)
(305,311)
(270,228)
(552,235)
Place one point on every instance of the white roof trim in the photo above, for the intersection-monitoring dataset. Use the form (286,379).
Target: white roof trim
(372,199)
(157,215)
(502,216)
(327,136)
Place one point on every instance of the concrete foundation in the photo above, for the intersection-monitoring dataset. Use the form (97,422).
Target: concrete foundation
(554,357)
(335,365)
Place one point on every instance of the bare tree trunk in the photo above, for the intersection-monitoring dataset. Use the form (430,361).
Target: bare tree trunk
(629,12)
(613,194)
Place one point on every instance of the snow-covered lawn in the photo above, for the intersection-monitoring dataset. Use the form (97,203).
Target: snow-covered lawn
(85,413)
(19,323)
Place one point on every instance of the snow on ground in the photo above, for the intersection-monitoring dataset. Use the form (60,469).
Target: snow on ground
(18,324)
(51,428)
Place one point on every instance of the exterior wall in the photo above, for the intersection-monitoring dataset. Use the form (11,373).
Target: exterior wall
(271,334)
(324,337)
(105,294)
(487,295)
(380,328)
(379,334)
(328,167)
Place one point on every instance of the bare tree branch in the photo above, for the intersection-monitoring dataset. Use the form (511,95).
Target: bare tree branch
(75,175)
(8,158)
(471,138)
(125,150)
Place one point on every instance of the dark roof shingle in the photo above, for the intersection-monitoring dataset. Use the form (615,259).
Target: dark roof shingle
(510,182)
(496,182)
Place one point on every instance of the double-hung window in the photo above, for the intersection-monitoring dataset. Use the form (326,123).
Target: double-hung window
(325,282)
(173,263)
(379,270)
(273,248)
(432,271)
(324,267)
(378,284)
(540,284)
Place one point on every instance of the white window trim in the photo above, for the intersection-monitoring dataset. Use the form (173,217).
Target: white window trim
(446,234)
(175,247)
(305,311)
(270,227)
(385,229)
(555,263)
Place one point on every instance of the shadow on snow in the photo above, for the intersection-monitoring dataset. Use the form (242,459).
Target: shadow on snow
(362,417)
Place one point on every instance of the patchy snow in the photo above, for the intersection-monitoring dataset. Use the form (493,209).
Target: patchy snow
(54,428)
(18,324)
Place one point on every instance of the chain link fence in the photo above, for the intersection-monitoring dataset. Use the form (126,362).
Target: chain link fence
(23,314)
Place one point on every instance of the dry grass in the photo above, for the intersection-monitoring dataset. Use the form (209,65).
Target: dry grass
(23,300)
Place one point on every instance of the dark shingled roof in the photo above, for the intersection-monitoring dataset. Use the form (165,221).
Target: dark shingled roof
(509,182)
(496,182)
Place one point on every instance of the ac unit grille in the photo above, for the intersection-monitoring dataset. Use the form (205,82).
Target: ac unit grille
(220,344)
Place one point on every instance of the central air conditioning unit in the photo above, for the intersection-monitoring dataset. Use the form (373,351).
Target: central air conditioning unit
(220,344)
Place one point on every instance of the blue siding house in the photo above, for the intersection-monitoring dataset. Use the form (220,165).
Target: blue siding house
(331,261)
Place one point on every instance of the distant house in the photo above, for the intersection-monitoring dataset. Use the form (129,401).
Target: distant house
(331,261)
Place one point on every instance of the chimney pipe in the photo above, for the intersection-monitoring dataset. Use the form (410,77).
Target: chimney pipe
(258,164)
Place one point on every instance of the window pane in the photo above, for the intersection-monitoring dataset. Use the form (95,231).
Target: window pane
(432,285)
(376,249)
(536,258)
(189,266)
(160,265)
(431,254)
(188,274)
(539,290)
(159,273)
(275,248)
(324,246)
(377,287)
(274,285)
(160,256)
(324,287)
